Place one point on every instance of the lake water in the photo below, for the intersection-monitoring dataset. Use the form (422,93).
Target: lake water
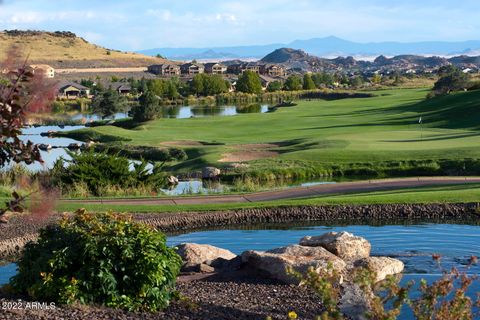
(199,187)
(413,244)
(180,112)
(185,112)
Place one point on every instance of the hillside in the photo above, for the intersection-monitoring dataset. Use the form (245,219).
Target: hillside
(66,50)
(301,60)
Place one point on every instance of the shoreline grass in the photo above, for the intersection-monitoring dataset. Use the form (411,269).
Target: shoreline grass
(420,195)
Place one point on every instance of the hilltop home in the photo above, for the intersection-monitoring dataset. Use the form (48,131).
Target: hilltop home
(44,69)
(215,68)
(272,70)
(164,69)
(192,68)
(240,68)
(72,90)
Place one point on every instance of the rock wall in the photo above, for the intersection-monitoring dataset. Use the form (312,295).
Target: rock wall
(13,242)
(332,214)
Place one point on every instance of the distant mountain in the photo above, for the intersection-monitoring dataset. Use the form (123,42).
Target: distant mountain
(206,53)
(209,54)
(284,55)
(299,60)
(326,47)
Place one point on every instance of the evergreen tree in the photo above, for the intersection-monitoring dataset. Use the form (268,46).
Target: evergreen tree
(451,79)
(274,86)
(293,83)
(249,82)
(108,103)
(308,83)
(148,108)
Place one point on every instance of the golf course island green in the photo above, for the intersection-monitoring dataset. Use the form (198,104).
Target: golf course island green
(395,133)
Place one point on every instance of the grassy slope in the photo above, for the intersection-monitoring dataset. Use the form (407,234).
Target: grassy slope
(71,52)
(443,194)
(344,131)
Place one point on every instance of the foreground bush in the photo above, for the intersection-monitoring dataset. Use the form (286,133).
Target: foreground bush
(99,258)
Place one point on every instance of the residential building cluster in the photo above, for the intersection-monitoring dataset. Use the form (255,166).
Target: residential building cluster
(192,68)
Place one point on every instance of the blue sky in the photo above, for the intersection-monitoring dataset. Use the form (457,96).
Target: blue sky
(137,24)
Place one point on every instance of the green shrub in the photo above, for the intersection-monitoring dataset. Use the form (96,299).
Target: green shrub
(99,258)
(99,170)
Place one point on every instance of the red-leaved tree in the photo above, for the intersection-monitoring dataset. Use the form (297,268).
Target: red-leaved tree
(21,91)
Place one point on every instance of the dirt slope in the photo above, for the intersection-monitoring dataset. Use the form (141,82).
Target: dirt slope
(66,50)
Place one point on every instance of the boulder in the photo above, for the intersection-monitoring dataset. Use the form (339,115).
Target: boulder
(300,259)
(195,254)
(210,172)
(382,266)
(221,264)
(354,302)
(198,268)
(74,146)
(44,147)
(172,180)
(88,145)
(343,244)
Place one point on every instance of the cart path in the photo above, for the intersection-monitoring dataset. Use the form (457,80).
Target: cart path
(292,193)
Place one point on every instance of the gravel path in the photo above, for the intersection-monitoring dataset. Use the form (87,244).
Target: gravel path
(229,296)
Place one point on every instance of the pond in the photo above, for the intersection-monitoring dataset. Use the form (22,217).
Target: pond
(185,112)
(413,244)
(204,187)
(179,112)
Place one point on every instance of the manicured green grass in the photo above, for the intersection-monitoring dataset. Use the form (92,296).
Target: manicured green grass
(318,132)
(443,194)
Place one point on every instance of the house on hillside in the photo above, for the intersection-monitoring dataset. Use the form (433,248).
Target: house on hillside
(45,69)
(215,68)
(240,68)
(192,68)
(272,70)
(165,69)
(122,88)
(72,90)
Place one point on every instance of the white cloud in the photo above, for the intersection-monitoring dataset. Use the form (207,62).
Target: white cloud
(156,23)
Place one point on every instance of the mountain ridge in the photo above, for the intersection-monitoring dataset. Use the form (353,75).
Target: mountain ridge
(327,46)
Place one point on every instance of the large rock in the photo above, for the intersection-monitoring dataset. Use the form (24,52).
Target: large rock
(172,180)
(194,254)
(344,245)
(382,266)
(300,259)
(354,302)
(210,172)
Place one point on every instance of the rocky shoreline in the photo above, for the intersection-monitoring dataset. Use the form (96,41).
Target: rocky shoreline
(352,214)
(219,289)
(20,230)
(217,284)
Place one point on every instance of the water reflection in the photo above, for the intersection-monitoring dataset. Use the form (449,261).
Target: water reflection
(185,112)
(201,187)
(196,187)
